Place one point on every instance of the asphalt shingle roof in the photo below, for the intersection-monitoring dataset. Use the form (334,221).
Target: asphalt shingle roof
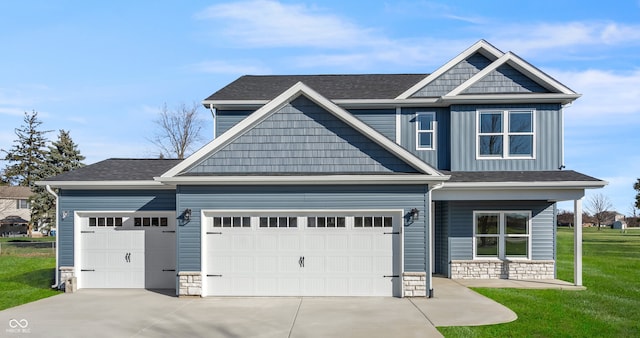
(518,176)
(118,169)
(15,192)
(362,86)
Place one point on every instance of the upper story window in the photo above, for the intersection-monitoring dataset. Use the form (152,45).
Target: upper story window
(502,234)
(426,131)
(506,134)
(22,204)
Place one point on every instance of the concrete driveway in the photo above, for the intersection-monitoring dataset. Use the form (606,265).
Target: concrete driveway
(144,313)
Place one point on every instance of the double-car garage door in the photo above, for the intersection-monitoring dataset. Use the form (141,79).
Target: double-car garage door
(308,254)
(127,250)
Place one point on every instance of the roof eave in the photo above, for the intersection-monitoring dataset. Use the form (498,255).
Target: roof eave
(511,98)
(510,185)
(105,185)
(306,179)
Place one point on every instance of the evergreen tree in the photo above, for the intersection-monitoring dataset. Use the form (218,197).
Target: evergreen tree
(63,156)
(27,154)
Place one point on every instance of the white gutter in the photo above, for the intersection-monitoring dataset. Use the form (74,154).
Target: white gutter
(213,115)
(48,187)
(528,185)
(305,179)
(431,239)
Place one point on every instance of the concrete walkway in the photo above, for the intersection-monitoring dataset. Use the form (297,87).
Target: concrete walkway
(555,284)
(144,313)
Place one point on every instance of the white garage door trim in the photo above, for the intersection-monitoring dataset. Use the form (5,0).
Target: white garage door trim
(81,219)
(397,242)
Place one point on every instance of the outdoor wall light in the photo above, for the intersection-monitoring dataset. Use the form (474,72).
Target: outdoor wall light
(414,214)
(65,213)
(187,215)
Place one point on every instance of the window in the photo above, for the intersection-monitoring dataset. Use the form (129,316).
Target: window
(506,134)
(151,221)
(372,222)
(105,221)
(425,131)
(278,222)
(502,234)
(231,222)
(326,222)
(22,204)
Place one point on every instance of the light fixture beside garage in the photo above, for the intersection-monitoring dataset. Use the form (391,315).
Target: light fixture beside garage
(186,215)
(65,214)
(414,214)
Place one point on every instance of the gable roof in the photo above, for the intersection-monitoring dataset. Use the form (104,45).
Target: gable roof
(15,192)
(333,87)
(426,172)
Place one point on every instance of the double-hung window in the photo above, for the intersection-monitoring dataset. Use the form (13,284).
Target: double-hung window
(506,134)
(22,204)
(502,234)
(426,131)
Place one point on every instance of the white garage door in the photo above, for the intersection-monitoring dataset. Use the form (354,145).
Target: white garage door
(127,251)
(320,254)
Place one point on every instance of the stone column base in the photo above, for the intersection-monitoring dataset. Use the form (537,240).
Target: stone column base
(414,284)
(68,279)
(189,284)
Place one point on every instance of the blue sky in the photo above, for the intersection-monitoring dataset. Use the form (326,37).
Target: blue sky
(102,69)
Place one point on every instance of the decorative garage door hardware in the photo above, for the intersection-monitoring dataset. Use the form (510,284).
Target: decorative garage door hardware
(168,269)
(301,261)
(87,232)
(392,233)
(391,276)
(87,270)
(127,257)
(168,231)
(214,233)
(214,275)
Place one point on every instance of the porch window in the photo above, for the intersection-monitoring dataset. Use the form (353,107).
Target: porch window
(502,234)
(425,131)
(505,134)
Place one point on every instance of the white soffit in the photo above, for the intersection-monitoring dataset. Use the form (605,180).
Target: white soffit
(482,47)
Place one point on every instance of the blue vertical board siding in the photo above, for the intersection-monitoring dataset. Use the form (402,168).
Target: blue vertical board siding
(382,120)
(301,137)
(225,119)
(401,197)
(547,139)
(438,158)
(105,200)
(461,226)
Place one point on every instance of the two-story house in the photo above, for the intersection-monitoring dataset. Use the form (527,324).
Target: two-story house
(331,185)
(15,211)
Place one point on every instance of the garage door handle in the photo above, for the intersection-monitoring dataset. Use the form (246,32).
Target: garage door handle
(168,269)
(392,233)
(301,261)
(391,276)
(87,270)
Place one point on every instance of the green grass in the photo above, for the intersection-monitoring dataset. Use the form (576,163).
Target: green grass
(610,307)
(26,275)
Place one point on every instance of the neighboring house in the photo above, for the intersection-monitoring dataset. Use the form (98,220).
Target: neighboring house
(332,185)
(15,211)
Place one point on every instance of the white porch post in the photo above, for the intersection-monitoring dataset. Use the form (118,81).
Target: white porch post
(577,242)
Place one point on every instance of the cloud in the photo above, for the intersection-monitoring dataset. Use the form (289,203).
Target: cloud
(608,97)
(225,67)
(533,39)
(265,23)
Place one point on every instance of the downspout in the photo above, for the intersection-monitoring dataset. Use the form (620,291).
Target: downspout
(213,114)
(431,239)
(57,272)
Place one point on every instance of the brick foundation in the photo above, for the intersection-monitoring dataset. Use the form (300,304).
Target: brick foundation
(502,269)
(414,284)
(189,283)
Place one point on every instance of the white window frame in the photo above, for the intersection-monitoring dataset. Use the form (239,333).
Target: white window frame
(23,203)
(431,131)
(506,115)
(502,235)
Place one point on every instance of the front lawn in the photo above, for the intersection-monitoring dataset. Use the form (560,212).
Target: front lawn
(26,274)
(610,307)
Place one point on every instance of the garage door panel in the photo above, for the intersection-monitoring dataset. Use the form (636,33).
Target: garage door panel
(312,261)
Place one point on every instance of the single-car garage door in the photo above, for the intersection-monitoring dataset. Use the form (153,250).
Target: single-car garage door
(134,250)
(313,254)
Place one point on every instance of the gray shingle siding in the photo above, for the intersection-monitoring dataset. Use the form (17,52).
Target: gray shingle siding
(301,138)
(505,79)
(454,77)
(461,226)
(199,198)
(105,200)
(547,140)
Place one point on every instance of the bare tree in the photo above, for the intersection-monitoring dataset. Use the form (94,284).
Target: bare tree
(599,206)
(178,130)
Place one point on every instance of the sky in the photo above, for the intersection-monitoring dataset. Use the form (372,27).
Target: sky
(102,70)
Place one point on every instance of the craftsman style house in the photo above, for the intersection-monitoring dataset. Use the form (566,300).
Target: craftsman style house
(331,185)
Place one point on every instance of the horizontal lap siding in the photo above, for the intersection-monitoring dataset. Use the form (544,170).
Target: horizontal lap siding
(464,143)
(225,119)
(461,226)
(382,120)
(300,197)
(105,200)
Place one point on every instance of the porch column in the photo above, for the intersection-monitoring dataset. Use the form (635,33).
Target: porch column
(577,242)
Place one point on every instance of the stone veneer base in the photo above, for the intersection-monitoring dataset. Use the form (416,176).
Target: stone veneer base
(189,283)
(414,284)
(502,269)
